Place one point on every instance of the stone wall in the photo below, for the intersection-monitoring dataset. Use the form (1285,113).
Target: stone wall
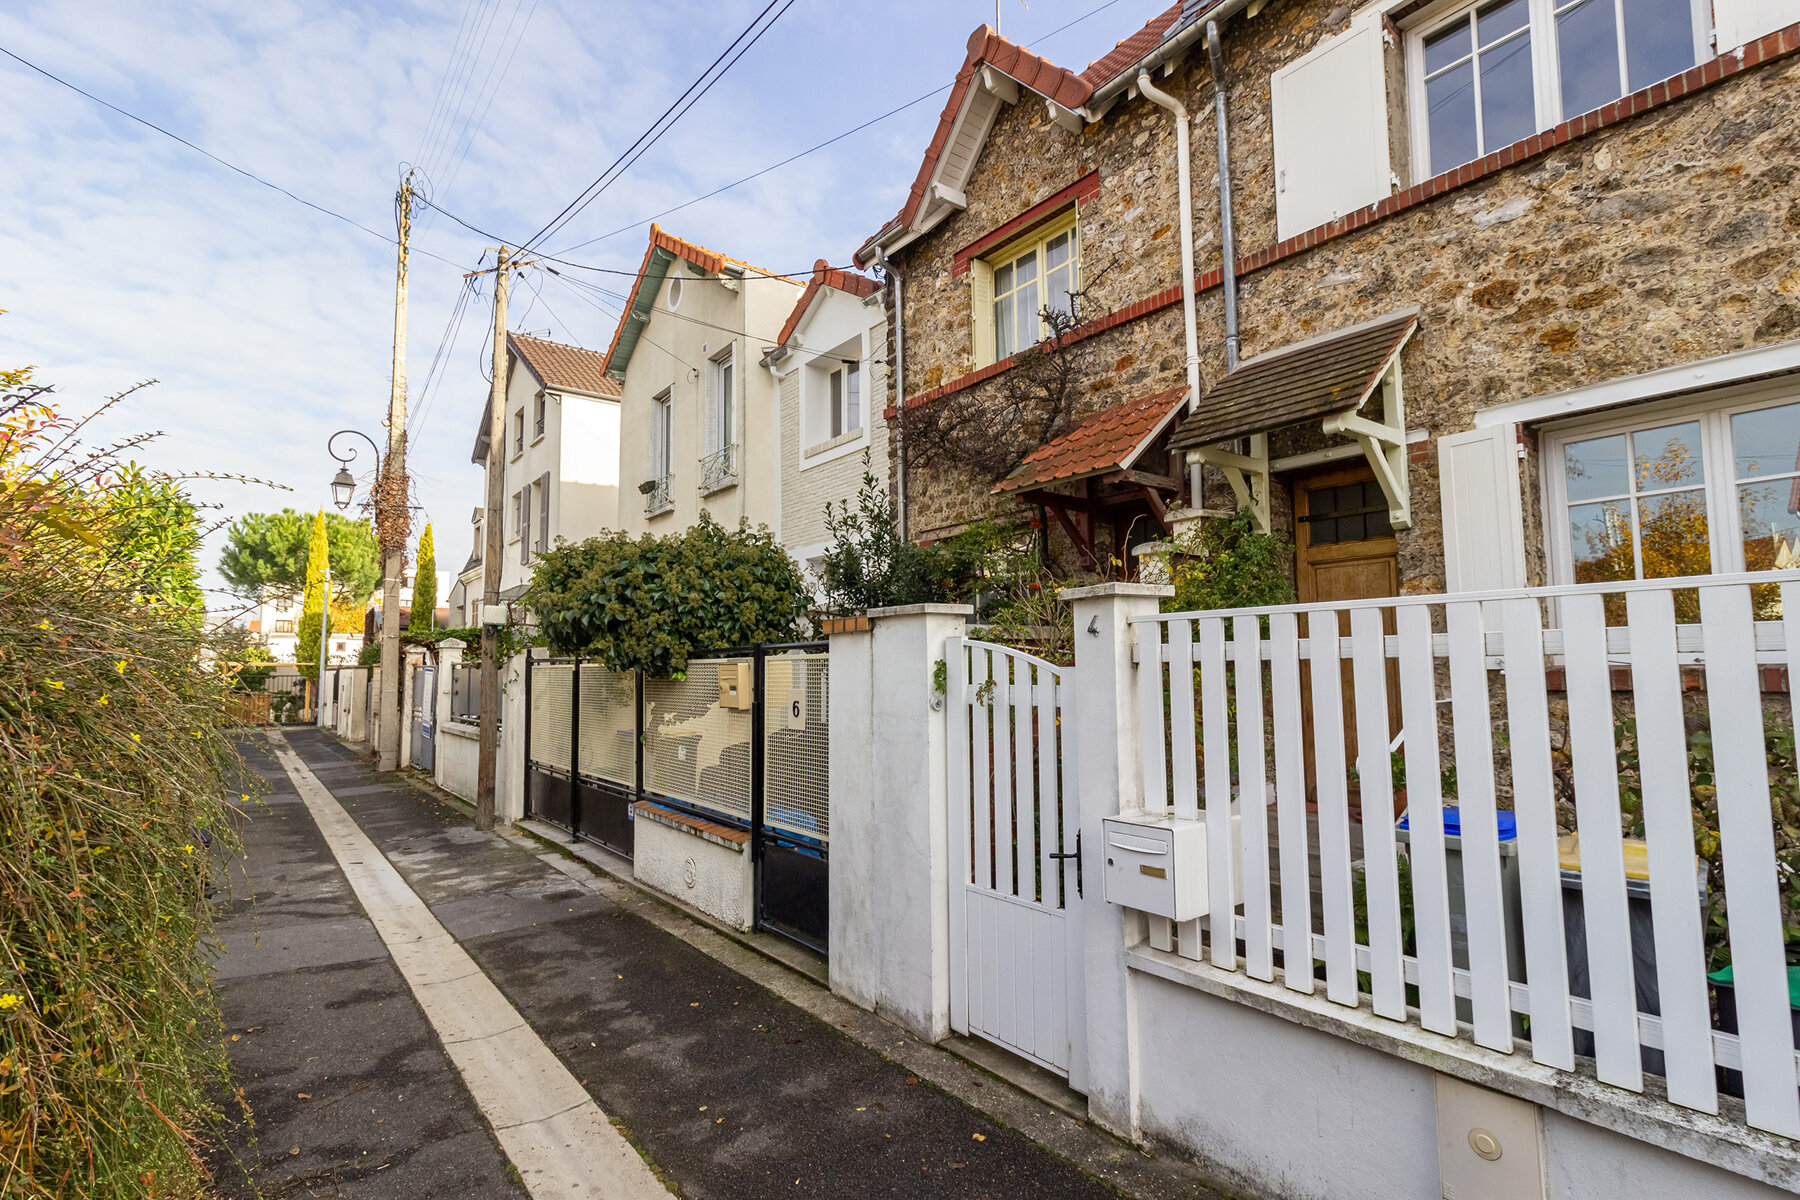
(1664,239)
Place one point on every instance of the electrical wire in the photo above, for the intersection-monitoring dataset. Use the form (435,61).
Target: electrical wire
(490,89)
(657,127)
(427,136)
(231,166)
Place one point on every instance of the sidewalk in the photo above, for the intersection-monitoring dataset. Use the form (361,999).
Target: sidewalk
(728,1089)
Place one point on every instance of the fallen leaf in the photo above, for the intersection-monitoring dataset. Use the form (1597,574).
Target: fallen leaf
(955,1166)
(720,1121)
(293,1149)
(234,1037)
(695,1004)
(302,1096)
(912,1079)
(862,1108)
(703,1108)
(980,1137)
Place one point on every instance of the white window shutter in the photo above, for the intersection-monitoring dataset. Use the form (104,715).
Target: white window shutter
(1329,115)
(981,311)
(1738,22)
(543,542)
(712,408)
(1484,525)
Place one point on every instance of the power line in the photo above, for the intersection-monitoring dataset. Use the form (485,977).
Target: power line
(490,89)
(445,86)
(251,175)
(593,189)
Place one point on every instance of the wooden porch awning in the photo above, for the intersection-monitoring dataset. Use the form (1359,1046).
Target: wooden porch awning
(1333,373)
(1110,440)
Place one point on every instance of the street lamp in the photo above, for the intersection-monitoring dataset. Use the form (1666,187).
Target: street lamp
(343,484)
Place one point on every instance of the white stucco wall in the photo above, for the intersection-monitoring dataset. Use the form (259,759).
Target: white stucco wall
(817,469)
(671,353)
(715,879)
(458,755)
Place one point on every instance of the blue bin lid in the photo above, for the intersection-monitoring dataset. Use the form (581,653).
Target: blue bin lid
(1508,823)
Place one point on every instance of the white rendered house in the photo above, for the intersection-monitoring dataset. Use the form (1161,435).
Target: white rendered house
(698,426)
(830,371)
(561,458)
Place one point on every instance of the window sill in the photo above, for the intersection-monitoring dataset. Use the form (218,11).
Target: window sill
(830,444)
(538,438)
(725,484)
(660,511)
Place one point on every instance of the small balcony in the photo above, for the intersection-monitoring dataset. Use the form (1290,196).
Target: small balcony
(719,470)
(657,496)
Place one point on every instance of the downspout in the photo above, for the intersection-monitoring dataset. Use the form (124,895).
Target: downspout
(1163,100)
(1228,273)
(899,373)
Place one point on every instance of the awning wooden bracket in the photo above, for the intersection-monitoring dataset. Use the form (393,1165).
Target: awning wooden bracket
(1383,444)
(1248,474)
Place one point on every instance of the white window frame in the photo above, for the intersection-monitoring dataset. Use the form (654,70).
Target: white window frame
(818,444)
(518,432)
(725,388)
(1724,529)
(1546,74)
(662,413)
(541,418)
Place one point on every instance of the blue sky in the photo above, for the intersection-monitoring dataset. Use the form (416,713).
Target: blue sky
(125,256)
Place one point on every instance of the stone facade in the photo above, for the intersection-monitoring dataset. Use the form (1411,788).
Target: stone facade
(1659,239)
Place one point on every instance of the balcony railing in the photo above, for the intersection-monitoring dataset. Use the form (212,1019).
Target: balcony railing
(719,469)
(657,496)
(1596,796)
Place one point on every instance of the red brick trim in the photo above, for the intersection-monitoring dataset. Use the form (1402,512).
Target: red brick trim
(1765,49)
(1079,192)
(681,820)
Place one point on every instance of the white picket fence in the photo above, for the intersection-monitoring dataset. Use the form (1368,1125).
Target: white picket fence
(1495,650)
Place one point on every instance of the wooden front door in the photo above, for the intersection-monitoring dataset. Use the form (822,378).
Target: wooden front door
(1345,550)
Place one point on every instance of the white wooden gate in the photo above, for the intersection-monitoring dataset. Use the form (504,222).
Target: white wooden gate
(1015,879)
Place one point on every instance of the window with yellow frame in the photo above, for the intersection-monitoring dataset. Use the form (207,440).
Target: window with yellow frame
(1016,283)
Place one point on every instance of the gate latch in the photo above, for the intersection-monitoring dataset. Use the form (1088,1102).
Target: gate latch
(1076,855)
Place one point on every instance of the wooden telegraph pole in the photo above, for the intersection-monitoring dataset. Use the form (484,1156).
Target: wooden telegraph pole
(391,513)
(493,531)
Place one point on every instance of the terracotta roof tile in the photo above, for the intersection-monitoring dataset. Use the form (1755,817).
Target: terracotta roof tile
(826,276)
(700,256)
(985,48)
(1108,440)
(564,367)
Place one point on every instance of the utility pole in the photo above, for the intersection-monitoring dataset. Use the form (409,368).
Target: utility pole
(494,541)
(391,513)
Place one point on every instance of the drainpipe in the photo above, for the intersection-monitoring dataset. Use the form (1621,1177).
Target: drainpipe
(1163,100)
(1228,281)
(899,365)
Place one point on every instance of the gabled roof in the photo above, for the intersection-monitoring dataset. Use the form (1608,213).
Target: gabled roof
(664,249)
(564,368)
(825,276)
(1109,440)
(970,110)
(1332,373)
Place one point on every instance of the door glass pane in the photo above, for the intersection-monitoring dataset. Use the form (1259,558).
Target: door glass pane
(1508,105)
(853,395)
(1600,538)
(1673,535)
(1447,46)
(1770,516)
(725,405)
(1587,50)
(1659,40)
(1767,441)
(1667,457)
(1450,120)
(1596,468)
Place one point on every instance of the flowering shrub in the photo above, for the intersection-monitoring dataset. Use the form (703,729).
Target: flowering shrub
(113,753)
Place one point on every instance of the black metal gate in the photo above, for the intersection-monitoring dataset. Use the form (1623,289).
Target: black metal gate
(741,740)
(790,832)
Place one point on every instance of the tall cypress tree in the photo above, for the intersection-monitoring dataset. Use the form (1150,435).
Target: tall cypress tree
(312,605)
(424,594)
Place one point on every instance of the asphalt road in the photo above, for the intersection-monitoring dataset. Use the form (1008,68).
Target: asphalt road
(729,1090)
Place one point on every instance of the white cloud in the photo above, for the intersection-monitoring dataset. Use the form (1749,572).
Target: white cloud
(124,255)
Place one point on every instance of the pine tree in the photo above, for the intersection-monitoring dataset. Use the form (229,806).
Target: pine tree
(312,606)
(424,595)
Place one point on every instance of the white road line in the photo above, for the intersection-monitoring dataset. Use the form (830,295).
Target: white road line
(551,1129)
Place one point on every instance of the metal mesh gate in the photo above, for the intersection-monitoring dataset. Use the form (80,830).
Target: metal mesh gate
(791,832)
(697,735)
(549,762)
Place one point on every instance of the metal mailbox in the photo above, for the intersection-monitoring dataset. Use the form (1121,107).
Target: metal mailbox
(1156,865)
